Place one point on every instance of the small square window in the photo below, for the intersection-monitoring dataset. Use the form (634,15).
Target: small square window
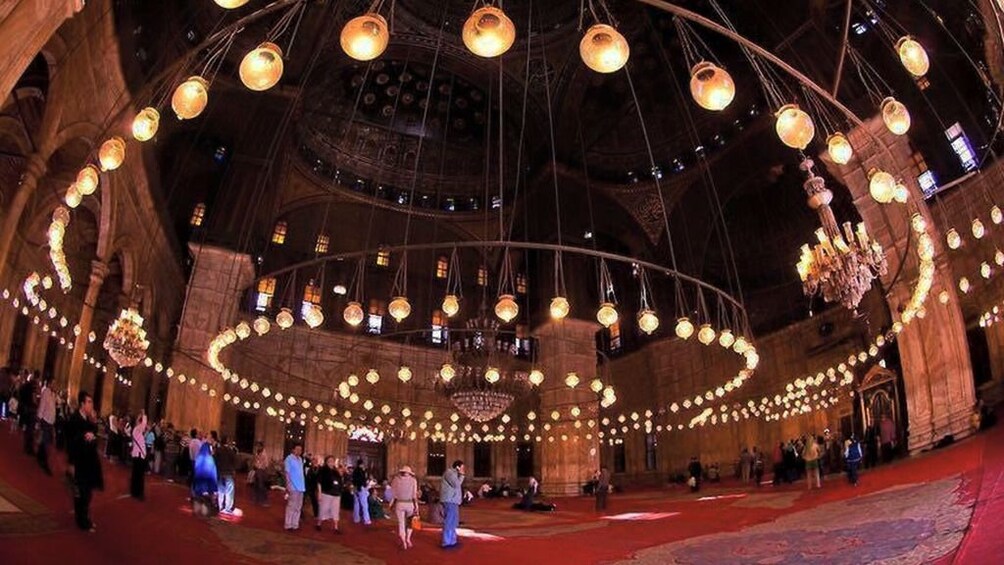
(482,276)
(383,258)
(521,283)
(321,246)
(279,233)
(442,268)
(198,214)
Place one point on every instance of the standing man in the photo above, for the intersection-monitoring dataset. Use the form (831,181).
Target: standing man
(226,468)
(295,487)
(602,489)
(853,456)
(451,495)
(361,504)
(46,423)
(136,486)
(83,464)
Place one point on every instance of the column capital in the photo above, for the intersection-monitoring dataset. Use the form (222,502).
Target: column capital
(99,270)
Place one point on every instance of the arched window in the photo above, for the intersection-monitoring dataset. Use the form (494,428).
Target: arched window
(279,233)
(266,290)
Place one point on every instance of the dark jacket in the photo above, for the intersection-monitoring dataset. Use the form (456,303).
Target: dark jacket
(83,454)
(226,460)
(330,481)
(359,478)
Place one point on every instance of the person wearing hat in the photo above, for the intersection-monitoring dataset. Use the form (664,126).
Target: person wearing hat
(404,490)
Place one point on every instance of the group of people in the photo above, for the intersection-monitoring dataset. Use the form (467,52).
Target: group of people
(36,409)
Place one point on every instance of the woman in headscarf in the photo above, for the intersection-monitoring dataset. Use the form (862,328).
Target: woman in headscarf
(404,489)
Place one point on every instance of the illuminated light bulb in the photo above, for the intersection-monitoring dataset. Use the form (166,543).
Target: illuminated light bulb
(313,316)
(447,372)
(896,116)
(190,98)
(684,328)
(111,154)
(985,271)
(794,127)
(596,385)
(741,346)
(506,308)
(913,56)
(839,148)
(711,86)
(230,4)
(881,185)
(365,37)
(901,193)
(399,308)
(73,196)
(572,380)
(145,124)
(492,375)
(996,216)
(243,330)
(603,49)
(87,180)
(999,258)
(726,338)
(451,305)
(953,239)
(353,313)
(559,307)
(262,67)
(261,325)
(404,374)
(978,229)
(706,334)
(372,376)
(284,319)
(964,285)
(488,32)
(648,321)
(943,297)
(606,315)
(536,377)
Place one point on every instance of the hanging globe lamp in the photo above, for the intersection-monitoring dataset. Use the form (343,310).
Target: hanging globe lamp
(353,313)
(73,196)
(372,376)
(488,32)
(572,380)
(451,305)
(506,308)
(606,315)
(839,148)
(684,328)
(399,308)
(706,334)
(261,325)
(536,377)
(447,372)
(953,239)
(145,124)
(794,126)
(314,316)
(711,86)
(111,154)
(648,321)
(492,375)
(284,319)
(978,229)
(559,307)
(404,373)
(190,98)
(262,67)
(726,338)
(896,116)
(365,37)
(230,4)
(913,56)
(603,49)
(87,180)
(881,185)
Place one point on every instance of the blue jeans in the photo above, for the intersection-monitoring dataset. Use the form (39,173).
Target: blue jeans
(450,522)
(225,493)
(361,506)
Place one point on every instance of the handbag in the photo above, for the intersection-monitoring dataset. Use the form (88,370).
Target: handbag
(416,522)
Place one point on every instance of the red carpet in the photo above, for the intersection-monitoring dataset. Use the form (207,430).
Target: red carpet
(162,530)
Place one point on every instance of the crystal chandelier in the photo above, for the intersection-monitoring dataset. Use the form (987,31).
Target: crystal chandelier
(126,340)
(482,378)
(840,266)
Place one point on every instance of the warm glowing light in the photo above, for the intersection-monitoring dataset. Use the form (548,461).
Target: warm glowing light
(606,315)
(399,308)
(978,229)
(111,154)
(711,86)
(572,380)
(901,193)
(603,49)
(913,56)
(230,4)
(996,215)
(648,321)
(353,313)
(536,377)
(839,148)
(404,373)
(372,376)
(87,180)
(73,196)
(706,334)
(726,338)
(261,325)
(596,385)
(985,270)
(145,124)
(447,372)
(559,307)
(964,285)
(488,32)
(881,185)
(190,98)
(953,239)
(365,37)
(261,68)
(314,316)
(284,319)
(492,375)
(506,308)
(684,328)
(896,116)
(794,127)
(451,305)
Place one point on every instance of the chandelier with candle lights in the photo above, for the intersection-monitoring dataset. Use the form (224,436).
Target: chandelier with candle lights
(842,264)
(126,339)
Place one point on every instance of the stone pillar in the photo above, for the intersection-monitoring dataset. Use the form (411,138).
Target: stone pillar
(937,371)
(99,270)
(26,26)
(34,170)
(213,296)
(564,347)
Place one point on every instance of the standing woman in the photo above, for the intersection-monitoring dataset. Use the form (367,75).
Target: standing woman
(139,454)
(404,489)
(329,483)
(83,463)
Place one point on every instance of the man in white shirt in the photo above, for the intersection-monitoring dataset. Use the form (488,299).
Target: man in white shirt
(46,420)
(136,485)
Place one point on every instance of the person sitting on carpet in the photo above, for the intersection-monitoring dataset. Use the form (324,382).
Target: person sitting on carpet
(376,510)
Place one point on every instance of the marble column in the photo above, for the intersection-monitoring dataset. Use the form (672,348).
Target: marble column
(937,371)
(99,270)
(568,454)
